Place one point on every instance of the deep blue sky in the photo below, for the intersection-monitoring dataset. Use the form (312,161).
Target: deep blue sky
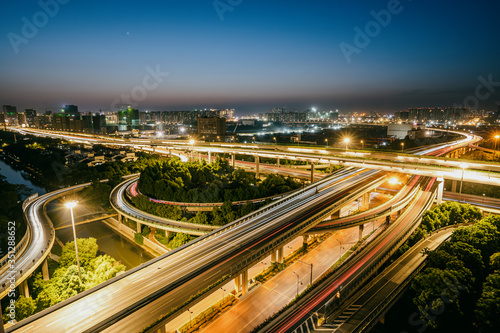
(263,54)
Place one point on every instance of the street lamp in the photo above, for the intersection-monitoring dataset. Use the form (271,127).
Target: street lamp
(223,290)
(362,145)
(496,141)
(274,138)
(346,140)
(71,205)
(463,166)
(190,313)
(340,249)
(326,142)
(297,282)
(402,147)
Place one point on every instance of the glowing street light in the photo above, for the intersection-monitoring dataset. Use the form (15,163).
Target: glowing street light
(71,205)
(362,145)
(191,142)
(402,147)
(496,141)
(274,138)
(393,181)
(326,142)
(463,166)
(346,140)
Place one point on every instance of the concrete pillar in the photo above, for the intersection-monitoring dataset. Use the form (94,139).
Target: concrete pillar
(244,282)
(454,186)
(388,219)
(237,283)
(278,162)
(23,289)
(331,167)
(312,172)
(168,234)
(209,157)
(257,173)
(233,158)
(361,228)
(120,217)
(273,256)
(199,157)
(280,255)
(138,227)
(45,270)
(365,201)
(162,330)
(440,190)
(192,157)
(305,238)
(335,215)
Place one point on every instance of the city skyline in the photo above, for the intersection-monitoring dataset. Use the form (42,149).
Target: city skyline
(250,56)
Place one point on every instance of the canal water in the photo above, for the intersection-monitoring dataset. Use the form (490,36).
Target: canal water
(110,243)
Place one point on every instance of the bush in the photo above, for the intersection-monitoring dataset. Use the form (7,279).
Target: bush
(138,238)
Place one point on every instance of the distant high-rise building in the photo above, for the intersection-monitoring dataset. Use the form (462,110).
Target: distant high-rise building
(128,119)
(71,110)
(99,123)
(30,117)
(10,114)
(211,126)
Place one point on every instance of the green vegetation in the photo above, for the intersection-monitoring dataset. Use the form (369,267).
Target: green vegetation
(65,281)
(195,182)
(209,314)
(459,289)
(445,214)
(139,238)
(490,191)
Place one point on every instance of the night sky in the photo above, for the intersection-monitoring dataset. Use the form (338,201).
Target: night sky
(252,56)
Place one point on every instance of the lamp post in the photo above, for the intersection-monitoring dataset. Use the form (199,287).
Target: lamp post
(190,313)
(340,249)
(496,141)
(223,290)
(326,142)
(274,138)
(362,145)
(71,205)
(463,166)
(311,277)
(402,147)
(346,140)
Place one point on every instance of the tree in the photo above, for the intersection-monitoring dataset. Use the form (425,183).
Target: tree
(495,261)
(87,250)
(25,307)
(487,318)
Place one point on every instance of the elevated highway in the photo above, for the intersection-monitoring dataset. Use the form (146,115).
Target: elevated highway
(149,291)
(353,273)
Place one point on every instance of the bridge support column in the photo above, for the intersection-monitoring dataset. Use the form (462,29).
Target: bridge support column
(168,234)
(237,283)
(209,157)
(23,289)
(440,190)
(280,255)
(365,202)
(278,162)
(360,236)
(192,156)
(233,158)
(330,166)
(138,227)
(244,282)
(312,172)
(388,219)
(305,238)
(335,215)
(162,330)
(120,218)
(273,256)
(199,157)
(454,186)
(45,270)
(257,174)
